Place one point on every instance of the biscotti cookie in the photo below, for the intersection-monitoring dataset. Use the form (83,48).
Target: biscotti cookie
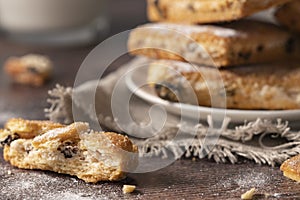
(205,11)
(74,150)
(291,168)
(28,129)
(31,69)
(269,86)
(241,42)
(288,15)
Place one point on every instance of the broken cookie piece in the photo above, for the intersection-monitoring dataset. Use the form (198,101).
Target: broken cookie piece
(77,151)
(291,168)
(27,129)
(206,11)
(215,45)
(249,194)
(31,69)
(128,189)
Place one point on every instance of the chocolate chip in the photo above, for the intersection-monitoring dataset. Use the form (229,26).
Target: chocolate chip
(191,8)
(234,103)
(260,48)
(28,148)
(67,143)
(157,86)
(9,139)
(32,70)
(290,45)
(229,4)
(230,93)
(68,151)
(245,55)
(159,9)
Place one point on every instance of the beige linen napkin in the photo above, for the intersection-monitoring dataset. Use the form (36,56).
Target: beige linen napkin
(263,141)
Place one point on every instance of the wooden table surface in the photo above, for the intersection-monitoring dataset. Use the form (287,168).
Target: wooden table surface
(185,179)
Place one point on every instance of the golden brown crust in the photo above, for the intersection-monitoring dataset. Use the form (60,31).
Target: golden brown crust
(128,189)
(29,129)
(268,86)
(121,141)
(288,15)
(237,43)
(32,70)
(291,168)
(74,150)
(70,133)
(203,11)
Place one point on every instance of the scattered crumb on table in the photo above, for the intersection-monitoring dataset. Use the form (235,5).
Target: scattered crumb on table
(128,189)
(249,194)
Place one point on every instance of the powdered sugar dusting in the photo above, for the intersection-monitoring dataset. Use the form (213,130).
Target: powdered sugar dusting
(245,180)
(252,179)
(68,195)
(42,185)
(193,29)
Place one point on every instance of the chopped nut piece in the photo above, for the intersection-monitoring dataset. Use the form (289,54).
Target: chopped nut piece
(249,194)
(128,189)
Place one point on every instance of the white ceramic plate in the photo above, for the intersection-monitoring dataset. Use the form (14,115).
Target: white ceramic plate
(138,76)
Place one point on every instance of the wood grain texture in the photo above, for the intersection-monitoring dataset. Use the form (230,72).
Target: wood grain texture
(184,179)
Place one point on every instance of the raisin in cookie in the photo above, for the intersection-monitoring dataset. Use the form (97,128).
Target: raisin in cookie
(31,69)
(242,42)
(291,168)
(268,86)
(206,11)
(28,129)
(74,150)
(288,15)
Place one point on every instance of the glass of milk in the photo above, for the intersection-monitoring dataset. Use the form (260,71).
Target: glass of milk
(58,22)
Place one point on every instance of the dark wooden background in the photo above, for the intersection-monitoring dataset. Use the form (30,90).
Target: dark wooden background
(185,179)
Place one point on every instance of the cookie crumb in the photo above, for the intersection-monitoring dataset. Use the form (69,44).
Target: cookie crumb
(30,69)
(128,189)
(267,195)
(249,194)
(9,172)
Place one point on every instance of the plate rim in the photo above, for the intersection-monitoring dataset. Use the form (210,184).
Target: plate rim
(154,99)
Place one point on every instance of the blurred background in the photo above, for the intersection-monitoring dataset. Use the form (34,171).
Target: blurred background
(126,14)
(33,26)
(39,19)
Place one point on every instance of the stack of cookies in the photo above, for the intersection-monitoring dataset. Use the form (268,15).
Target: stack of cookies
(255,60)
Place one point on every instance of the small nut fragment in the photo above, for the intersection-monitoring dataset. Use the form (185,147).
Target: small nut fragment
(249,194)
(128,189)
